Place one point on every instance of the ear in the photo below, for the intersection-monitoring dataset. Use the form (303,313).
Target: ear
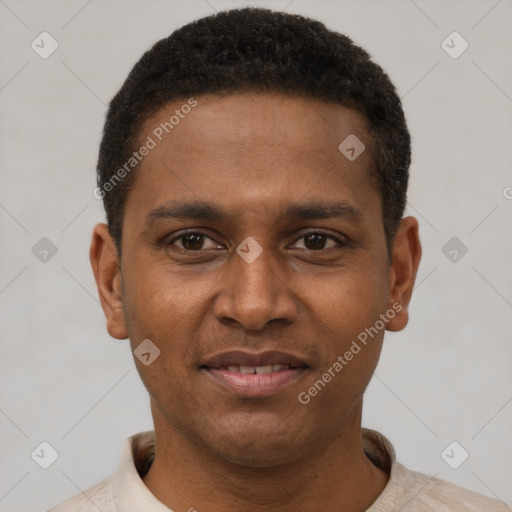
(107,272)
(406,256)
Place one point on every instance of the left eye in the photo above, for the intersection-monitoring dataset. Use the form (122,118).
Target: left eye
(319,241)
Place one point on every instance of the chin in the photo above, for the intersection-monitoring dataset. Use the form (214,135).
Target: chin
(256,442)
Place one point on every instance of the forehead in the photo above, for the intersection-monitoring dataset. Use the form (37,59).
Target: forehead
(250,120)
(251,149)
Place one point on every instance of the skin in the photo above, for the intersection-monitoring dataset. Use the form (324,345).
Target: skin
(253,155)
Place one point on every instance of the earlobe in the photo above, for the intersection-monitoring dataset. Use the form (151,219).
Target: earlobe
(406,256)
(107,273)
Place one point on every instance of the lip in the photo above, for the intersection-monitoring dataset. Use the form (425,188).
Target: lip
(254,384)
(244,358)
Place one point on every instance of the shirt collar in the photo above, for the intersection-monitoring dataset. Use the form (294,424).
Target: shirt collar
(130,493)
(137,454)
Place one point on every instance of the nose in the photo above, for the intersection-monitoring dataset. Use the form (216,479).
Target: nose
(254,294)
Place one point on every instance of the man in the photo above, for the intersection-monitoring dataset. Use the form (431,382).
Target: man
(254,170)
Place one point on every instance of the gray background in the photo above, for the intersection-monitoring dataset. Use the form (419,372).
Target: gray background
(63,380)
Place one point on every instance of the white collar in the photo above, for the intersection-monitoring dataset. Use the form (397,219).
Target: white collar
(132,495)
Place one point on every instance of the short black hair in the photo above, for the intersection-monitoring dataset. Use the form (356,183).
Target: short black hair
(254,49)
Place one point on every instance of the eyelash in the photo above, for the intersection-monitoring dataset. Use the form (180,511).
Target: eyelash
(341,243)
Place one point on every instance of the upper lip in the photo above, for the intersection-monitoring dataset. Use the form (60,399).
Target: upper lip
(244,358)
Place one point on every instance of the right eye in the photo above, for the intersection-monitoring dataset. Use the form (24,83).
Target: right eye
(193,241)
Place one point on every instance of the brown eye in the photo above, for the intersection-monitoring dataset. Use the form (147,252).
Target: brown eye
(194,241)
(315,241)
(318,241)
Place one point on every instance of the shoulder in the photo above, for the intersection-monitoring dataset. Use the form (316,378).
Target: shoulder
(99,497)
(417,492)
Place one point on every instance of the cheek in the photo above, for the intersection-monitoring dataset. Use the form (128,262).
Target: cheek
(350,332)
(166,307)
(350,300)
(357,327)
(155,293)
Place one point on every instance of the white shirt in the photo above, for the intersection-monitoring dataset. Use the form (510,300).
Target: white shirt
(406,491)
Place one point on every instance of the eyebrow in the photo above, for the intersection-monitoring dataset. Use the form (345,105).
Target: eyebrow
(201,210)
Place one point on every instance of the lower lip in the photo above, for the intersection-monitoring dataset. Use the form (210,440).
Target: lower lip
(255,384)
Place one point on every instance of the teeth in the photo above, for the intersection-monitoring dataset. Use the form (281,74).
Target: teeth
(258,369)
(264,369)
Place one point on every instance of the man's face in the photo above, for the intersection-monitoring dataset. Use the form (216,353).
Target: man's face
(266,165)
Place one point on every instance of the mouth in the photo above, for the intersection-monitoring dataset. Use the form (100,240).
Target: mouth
(248,374)
(260,370)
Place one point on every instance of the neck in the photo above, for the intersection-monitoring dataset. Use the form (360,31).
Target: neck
(185,475)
